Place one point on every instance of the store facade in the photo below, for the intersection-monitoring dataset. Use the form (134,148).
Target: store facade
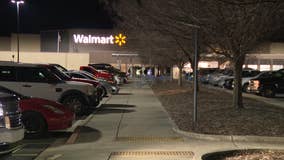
(103,46)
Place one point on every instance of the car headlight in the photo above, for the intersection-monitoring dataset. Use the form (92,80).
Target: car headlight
(1,112)
(255,83)
(53,109)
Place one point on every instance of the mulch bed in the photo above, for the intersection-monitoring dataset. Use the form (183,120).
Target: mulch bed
(246,155)
(216,114)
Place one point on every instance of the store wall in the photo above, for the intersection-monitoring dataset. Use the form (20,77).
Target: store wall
(28,42)
(54,41)
(5,44)
(69,60)
(277,48)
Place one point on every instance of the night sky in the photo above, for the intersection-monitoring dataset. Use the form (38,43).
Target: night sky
(39,15)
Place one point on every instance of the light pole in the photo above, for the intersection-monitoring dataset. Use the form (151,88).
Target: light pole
(18,2)
(195,94)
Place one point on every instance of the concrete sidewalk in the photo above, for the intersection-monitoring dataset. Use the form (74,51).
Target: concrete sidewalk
(134,125)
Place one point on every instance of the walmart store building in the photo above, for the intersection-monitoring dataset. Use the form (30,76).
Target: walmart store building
(73,47)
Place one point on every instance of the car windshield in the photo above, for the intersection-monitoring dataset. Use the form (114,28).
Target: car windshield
(87,74)
(265,74)
(60,68)
(278,74)
(250,73)
(59,73)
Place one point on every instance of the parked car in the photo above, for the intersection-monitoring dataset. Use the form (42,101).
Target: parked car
(41,115)
(219,75)
(103,75)
(120,76)
(99,92)
(39,81)
(268,85)
(204,73)
(11,128)
(110,88)
(106,86)
(247,75)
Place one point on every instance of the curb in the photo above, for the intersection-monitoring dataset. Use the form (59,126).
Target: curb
(235,138)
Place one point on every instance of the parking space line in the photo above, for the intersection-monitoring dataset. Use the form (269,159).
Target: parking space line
(54,157)
(20,147)
(74,136)
(36,143)
(25,155)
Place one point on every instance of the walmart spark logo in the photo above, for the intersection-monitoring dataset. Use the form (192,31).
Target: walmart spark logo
(120,39)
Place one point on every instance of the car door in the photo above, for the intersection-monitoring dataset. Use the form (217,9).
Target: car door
(35,82)
(8,78)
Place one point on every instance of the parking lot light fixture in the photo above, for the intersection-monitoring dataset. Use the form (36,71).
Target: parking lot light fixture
(18,2)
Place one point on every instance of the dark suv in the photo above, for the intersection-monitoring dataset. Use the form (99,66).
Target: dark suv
(268,86)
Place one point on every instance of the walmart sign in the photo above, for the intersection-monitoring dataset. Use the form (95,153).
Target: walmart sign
(119,39)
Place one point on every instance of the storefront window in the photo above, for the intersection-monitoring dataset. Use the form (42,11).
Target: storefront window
(264,67)
(277,67)
(253,66)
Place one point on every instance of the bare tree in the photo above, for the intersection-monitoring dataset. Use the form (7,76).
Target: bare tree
(234,28)
(158,16)
(228,27)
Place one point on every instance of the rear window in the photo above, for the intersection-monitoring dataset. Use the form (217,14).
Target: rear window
(7,74)
(75,75)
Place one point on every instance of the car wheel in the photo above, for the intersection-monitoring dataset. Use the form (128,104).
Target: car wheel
(268,92)
(35,125)
(75,103)
(245,87)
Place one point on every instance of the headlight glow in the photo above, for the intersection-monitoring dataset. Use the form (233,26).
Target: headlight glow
(255,83)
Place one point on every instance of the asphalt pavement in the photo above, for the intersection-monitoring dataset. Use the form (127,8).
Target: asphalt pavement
(134,125)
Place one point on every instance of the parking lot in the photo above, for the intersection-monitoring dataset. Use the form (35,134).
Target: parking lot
(30,148)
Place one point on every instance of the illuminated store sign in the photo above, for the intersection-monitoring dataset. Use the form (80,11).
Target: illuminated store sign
(90,39)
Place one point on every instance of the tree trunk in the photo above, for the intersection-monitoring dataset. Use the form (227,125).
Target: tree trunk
(193,67)
(180,75)
(171,74)
(237,93)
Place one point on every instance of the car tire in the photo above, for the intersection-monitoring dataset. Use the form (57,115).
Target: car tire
(35,124)
(75,103)
(268,92)
(245,87)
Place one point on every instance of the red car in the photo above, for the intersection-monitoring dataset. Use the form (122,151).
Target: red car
(41,115)
(103,75)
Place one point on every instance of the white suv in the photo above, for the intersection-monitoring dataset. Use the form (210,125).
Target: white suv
(37,80)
